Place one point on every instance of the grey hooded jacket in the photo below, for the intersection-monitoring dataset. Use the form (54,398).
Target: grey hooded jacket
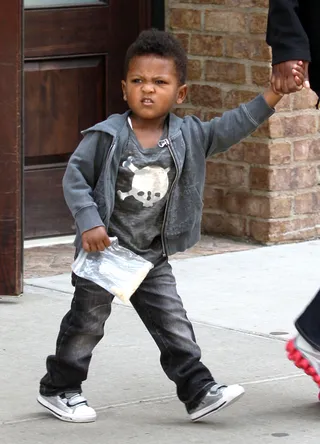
(91,174)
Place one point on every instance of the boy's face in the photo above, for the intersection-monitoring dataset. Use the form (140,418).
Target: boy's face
(152,87)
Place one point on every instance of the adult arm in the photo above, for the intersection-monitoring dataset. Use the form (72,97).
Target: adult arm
(285,32)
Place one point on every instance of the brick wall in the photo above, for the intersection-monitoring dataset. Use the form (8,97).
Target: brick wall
(267,187)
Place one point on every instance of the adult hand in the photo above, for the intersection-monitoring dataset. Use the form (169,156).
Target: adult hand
(283,80)
(95,240)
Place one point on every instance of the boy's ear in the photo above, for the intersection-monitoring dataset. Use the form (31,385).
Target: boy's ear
(123,85)
(182,93)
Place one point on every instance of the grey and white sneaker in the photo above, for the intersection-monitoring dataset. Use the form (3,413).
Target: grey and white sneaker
(217,398)
(71,406)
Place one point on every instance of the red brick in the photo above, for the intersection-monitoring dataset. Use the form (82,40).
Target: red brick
(206,95)
(280,207)
(185,19)
(248,3)
(246,204)
(286,230)
(237,47)
(194,70)
(301,149)
(292,126)
(235,97)
(184,111)
(263,130)
(260,75)
(259,50)
(268,179)
(284,104)
(304,99)
(201,2)
(307,203)
(236,202)
(224,21)
(260,3)
(256,152)
(219,157)
(223,174)
(267,153)
(314,150)
(213,198)
(279,153)
(184,39)
(225,72)
(236,153)
(211,115)
(206,45)
(258,23)
(223,224)
(300,125)
(303,177)
(258,206)
(281,179)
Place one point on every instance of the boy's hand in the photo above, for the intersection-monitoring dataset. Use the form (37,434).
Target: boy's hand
(273,96)
(95,240)
(289,76)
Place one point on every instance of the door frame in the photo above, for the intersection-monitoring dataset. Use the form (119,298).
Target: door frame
(11,133)
(11,159)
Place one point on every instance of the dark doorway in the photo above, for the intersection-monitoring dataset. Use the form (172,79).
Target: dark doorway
(73,67)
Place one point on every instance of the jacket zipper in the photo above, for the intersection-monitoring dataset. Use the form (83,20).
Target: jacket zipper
(109,154)
(162,143)
(108,162)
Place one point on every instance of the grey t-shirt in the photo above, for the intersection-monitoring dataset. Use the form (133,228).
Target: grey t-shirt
(144,179)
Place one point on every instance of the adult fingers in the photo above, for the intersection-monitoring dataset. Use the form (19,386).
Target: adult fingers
(298,78)
(306,75)
(284,87)
(278,85)
(299,87)
(291,84)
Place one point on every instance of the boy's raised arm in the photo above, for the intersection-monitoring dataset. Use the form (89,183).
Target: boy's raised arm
(235,125)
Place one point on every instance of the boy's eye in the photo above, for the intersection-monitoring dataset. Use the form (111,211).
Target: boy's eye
(136,81)
(160,82)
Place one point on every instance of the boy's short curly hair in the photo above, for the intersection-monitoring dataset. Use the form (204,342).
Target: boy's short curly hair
(159,43)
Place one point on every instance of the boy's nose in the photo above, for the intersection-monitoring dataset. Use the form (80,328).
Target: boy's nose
(148,87)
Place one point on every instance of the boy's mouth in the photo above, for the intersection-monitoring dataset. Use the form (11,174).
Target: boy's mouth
(146,101)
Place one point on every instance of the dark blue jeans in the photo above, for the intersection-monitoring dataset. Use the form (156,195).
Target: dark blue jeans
(308,323)
(160,309)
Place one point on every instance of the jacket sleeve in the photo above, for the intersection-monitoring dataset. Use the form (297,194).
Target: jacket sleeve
(285,32)
(221,133)
(80,178)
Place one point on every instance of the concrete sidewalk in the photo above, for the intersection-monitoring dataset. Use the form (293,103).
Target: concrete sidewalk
(242,305)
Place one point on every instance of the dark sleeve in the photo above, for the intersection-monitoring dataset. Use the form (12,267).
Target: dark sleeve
(285,33)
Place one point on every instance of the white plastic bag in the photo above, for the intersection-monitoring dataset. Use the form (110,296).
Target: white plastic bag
(116,269)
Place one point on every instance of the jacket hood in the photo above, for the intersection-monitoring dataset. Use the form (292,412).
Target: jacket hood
(114,124)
